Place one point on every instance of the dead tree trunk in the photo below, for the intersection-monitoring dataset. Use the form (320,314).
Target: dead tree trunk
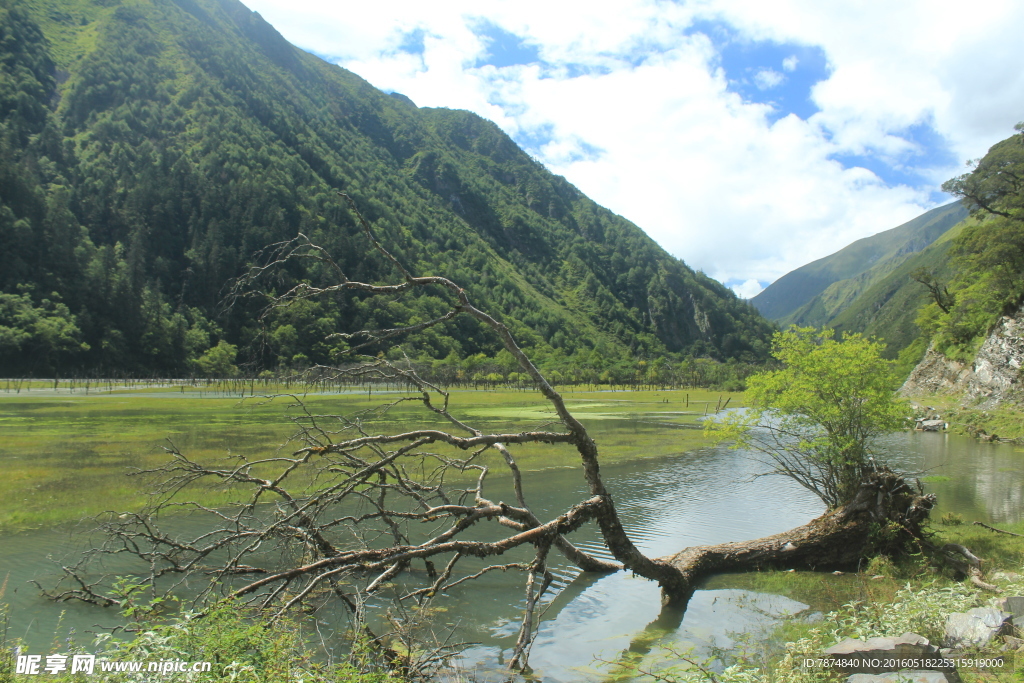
(886,515)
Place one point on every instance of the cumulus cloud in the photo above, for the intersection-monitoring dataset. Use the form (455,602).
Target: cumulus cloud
(632,104)
(766,79)
(748,289)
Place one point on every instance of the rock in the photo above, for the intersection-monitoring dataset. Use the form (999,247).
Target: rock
(902,677)
(1012,643)
(936,374)
(993,377)
(976,627)
(852,652)
(1013,604)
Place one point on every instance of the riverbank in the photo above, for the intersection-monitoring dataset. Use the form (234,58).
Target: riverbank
(672,502)
(1005,421)
(887,599)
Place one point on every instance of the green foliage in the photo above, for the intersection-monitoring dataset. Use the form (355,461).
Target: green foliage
(47,334)
(183,137)
(922,610)
(218,361)
(951,519)
(953,291)
(816,418)
(994,186)
(242,645)
(919,603)
(988,255)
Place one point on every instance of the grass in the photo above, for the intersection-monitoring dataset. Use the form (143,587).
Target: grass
(1004,420)
(886,599)
(64,454)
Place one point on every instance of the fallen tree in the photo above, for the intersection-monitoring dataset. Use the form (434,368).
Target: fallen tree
(885,515)
(344,514)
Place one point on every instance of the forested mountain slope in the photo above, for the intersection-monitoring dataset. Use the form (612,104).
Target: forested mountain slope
(149,147)
(888,306)
(816,293)
(960,293)
(973,325)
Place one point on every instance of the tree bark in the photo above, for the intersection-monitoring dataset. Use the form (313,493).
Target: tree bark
(885,515)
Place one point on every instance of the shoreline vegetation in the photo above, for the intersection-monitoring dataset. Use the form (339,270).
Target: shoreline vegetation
(858,605)
(1003,420)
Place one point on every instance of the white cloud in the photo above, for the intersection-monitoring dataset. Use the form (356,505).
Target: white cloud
(748,289)
(766,79)
(897,64)
(642,119)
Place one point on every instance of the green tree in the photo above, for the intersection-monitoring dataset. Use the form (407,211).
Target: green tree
(41,338)
(815,420)
(987,254)
(995,184)
(218,361)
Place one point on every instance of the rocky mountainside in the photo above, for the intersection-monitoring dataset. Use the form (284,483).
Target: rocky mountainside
(992,378)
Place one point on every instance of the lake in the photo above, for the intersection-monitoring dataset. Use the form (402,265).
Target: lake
(668,500)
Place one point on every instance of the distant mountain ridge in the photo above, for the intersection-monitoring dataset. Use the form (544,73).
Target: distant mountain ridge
(817,293)
(951,313)
(888,306)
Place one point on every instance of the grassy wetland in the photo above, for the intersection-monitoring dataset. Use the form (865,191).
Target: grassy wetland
(65,452)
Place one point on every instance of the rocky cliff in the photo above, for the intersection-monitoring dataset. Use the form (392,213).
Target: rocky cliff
(994,376)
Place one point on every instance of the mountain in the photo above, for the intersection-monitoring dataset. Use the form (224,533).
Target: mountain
(149,147)
(889,305)
(957,296)
(973,325)
(815,294)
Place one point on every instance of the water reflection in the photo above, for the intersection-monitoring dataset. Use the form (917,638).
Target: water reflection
(702,497)
(981,481)
(709,496)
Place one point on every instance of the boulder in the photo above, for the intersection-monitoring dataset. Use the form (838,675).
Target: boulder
(976,627)
(1012,643)
(902,677)
(855,656)
(1013,604)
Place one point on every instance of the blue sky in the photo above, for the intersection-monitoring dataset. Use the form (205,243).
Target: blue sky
(778,74)
(503,48)
(747,138)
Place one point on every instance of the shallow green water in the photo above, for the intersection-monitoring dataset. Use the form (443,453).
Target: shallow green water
(672,499)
